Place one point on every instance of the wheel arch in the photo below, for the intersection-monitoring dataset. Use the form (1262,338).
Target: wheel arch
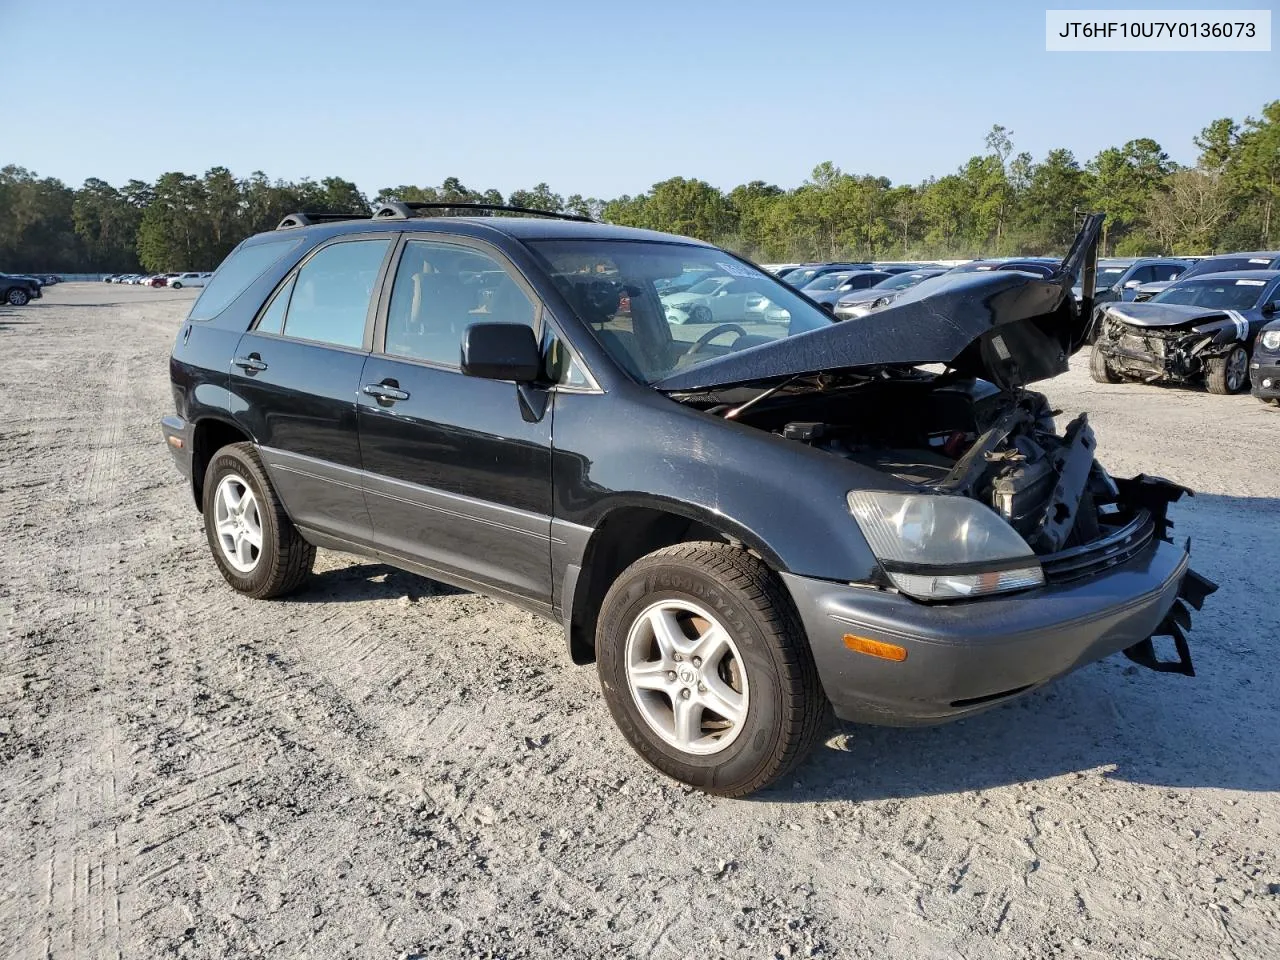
(210,434)
(625,533)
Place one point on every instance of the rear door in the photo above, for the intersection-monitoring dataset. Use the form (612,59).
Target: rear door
(295,378)
(457,469)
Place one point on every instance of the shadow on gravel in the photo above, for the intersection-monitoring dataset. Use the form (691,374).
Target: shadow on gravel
(1216,729)
(362,582)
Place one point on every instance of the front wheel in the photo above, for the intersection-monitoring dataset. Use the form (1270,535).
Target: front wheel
(1228,374)
(17,298)
(1099,369)
(255,544)
(706,670)
(176,285)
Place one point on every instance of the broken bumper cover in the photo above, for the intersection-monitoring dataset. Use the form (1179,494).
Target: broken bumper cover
(965,657)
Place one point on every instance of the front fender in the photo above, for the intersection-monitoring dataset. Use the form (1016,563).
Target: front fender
(782,498)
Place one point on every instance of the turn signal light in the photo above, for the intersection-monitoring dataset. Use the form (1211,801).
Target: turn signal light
(875,648)
(175,442)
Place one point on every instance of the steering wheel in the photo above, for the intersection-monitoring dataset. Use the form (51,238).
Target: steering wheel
(711,334)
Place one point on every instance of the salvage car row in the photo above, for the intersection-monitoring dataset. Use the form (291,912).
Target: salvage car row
(1180,320)
(175,280)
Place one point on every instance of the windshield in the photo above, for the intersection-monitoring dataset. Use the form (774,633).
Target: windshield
(612,285)
(828,281)
(1215,294)
(902,280)
(710,285)
(1227,265)
(1108,276)
(799,278)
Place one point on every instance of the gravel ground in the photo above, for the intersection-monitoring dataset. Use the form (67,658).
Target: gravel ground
(386,767)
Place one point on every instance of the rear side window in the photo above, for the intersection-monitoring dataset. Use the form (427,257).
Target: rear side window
(245,265)
(331,294)
(1167,271)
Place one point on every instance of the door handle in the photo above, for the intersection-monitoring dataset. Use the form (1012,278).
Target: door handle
(385,392)
(251,362)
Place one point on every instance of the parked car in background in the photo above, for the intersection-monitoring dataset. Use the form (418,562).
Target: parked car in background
(1264,368)
(904,267)
(804,275)
(18,291)
(744,528)
(720,298)
(162,279)
(1119,279)
(862,302)
(178,281)
(1040,266)
(1200,328)
(830,287)
(1221,263)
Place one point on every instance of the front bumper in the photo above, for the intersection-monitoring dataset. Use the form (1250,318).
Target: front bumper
(965,657)
(177,437)
(1265,375)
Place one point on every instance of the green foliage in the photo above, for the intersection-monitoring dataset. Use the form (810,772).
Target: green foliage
(997,202)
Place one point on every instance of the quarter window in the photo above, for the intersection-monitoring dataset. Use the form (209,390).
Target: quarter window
(272,319)
(330,297)
(439,290)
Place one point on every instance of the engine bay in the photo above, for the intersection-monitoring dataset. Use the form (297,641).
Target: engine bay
(963,437)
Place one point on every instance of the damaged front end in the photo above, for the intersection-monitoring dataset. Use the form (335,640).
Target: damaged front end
(1165,344)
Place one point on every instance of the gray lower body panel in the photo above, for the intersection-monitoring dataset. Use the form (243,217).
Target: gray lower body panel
(965,657)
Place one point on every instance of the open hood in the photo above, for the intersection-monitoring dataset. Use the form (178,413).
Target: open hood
(1007,327)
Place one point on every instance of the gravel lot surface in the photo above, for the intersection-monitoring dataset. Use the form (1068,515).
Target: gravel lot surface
(386,767)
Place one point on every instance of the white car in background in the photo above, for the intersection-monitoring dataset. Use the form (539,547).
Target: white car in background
(188,280)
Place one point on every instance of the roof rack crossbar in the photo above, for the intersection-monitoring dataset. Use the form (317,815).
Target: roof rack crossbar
(306,219)
(398,210)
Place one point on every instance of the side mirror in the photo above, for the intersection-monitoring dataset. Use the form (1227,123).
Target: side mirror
(1269,308)
(501,351)
(1132,284)
(829,307)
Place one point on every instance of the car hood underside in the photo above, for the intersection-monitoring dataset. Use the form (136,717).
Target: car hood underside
(1007,327)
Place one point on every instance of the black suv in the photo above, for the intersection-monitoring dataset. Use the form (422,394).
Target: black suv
(743,522)
(18,291)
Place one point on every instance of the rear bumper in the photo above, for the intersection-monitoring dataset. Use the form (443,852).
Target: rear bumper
(965,657)
(1265,376)
(177,437)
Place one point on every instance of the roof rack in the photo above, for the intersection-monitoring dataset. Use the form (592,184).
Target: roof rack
(402,210)
(307,219)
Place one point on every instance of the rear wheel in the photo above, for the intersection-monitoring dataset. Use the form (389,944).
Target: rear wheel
(254,543)
(706,669)
(17,298)
(1228,374)
(1100,369)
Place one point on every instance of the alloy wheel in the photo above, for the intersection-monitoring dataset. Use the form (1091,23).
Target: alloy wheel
(687,677)
(238,523)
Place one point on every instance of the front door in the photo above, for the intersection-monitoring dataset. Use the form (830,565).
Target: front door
(295,378)
(457,471)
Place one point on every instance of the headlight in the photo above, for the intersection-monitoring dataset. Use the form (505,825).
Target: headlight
(1271,339)
(942,547)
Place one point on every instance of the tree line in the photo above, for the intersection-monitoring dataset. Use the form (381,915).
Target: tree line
(999,202)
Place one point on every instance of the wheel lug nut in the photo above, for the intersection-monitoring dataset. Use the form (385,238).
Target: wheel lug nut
(671,674)
(684,694)
(678,658)
(697,661)
(702,688)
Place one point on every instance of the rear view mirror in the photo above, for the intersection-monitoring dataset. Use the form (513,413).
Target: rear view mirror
(501,351)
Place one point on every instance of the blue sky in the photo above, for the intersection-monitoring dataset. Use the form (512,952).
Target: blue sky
(592,97)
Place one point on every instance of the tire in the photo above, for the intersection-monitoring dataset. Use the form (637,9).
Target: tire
(283,560)
(764,669)
(1269,402)
(700,313)
(1229,374)
(176,285)
(1099,369)
(17,297)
